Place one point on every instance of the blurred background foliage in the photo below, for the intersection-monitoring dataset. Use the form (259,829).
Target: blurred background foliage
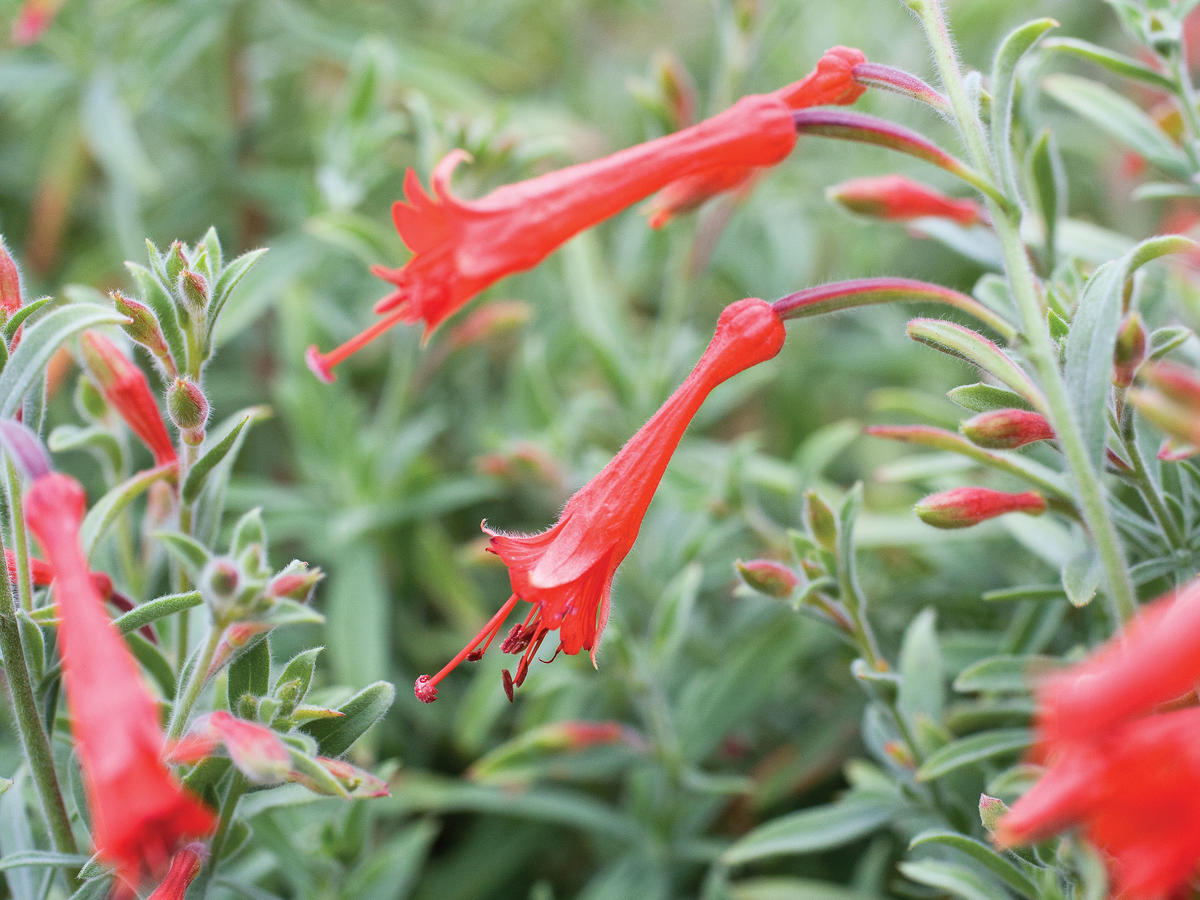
(289,125)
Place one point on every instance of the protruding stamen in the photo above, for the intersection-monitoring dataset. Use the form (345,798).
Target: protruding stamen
(425,688)
(322,364)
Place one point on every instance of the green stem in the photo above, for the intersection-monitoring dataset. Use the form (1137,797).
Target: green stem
(1040,349)
(237,787)
(195,684)
(34,738)
(1187,100)
(186,511)
(20,539)
(1149,493)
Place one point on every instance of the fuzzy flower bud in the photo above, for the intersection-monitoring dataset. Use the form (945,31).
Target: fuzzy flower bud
(896,198)
(1130,350)
(963,507)
(1006,429)
(219,583)
(188,409)
(144,328)
(295,583)
(768,577)
(990,811)
(822,523)
(176,261)
(194,290)
(10,283)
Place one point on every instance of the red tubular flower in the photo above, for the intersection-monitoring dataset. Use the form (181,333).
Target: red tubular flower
(1007,429)
(565,573)
(831,82)
(42,574)
(461,247)
(967,506)
(185,866)
(897,198)
(1133,789)
(140,813)
(125,388)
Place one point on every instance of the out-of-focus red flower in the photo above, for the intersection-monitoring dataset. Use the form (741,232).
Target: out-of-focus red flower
(1007,429)
(461,247)
(1133,790)
(897,198)
(43,574)
(33,19)
(831,82)
(967,506)
(565,573)
(185,866)
(140,813)
(10,283)
(125,388)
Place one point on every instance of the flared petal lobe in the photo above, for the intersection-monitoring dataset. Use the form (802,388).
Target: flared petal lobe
(140,813)
(565,573)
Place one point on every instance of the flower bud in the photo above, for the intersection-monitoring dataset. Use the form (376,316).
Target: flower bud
(1006,429)
(176,261)
(236,636)
(768,577)
(356,781)
(187,408)
(218,585)
(821,521)
(10,284)
(194,290)
(990,811)
(296,582)
(144,328)
(896,198)
(185,866)
(678,89)
(963,507)
(1130,350)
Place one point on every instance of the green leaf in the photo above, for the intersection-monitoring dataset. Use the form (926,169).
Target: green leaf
(194,483)
(1004,674)
(970,751)
(153,660)
(335,736)
(981,853)
(158,608)
(300,668)
(1049,181)
(105,510)
(21,315)
(24,858)
(980,397)
(810,830)
(155,293)
(780,888)
(973,347)
(1117,63)
(250,672)
(72,437)
(921,690)
(1024,592)
(39,342)
(228,280)
(1164,340)
(1003,87)
(1081,577)
(190,552)
(1088,357)
(1120,118)
(959,880)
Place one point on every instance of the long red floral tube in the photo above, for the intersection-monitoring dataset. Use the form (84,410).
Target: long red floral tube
(140,813)
(565,572)
(127,391)
(461,247)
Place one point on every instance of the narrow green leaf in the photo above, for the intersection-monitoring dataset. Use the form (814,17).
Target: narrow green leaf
(250,672)
(998,865)
(1120,118)
(23,858)
(300,668)
(1081,577)
(1003,86)
(335,736)
(197,474)
(155,293)
(185,548)
(39,342)
(1117,63)
(1164,340)
(158,608)
(973,347)
(17,319)
(105,510)
(922,692)
(959,880)
(972,750)
(153,661)
(227,281)
(981,397)
(1050,190)
(809,830)
(1004,674)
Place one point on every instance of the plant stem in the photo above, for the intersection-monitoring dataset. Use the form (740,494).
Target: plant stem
(20,539)
(186,699)
(1149,493)
(190,453)
(237,787)
(1187,99)
(1040,349)
(34,739)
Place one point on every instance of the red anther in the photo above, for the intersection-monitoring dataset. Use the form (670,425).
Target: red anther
(507,680)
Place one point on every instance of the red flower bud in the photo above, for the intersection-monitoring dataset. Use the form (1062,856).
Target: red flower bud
(963,507)
(188,408)
(1007,429)
(185,866)
(897,198)
(144,329)
(10,283)
(1130,350)
(33,19)
(768,577)
(125,388)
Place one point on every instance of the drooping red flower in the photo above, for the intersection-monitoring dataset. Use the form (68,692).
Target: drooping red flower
(1133,791)
(565,573)
(140,813)
(967,506)
(831,82)
(126,389)
(461,247)
(185,866)
(897,198)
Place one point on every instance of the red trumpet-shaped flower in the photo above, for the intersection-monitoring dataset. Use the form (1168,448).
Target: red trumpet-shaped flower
(125,388)
(898,198)
(140,813)
(1133,790)
(831,82)
(461,247)
(565,573)
(185,866)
